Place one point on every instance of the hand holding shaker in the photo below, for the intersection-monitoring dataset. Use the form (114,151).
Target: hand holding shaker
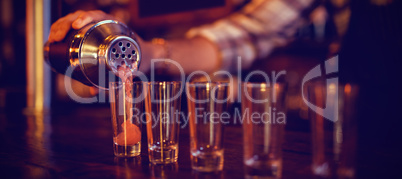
(90,53)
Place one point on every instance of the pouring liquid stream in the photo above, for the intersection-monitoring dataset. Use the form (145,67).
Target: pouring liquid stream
(131,134)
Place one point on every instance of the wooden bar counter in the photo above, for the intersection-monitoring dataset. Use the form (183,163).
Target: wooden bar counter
(76,142)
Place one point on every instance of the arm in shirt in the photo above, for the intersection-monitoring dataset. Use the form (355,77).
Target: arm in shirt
(254,31)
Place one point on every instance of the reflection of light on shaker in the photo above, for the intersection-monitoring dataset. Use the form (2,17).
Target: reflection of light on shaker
(74,63)
(78,35)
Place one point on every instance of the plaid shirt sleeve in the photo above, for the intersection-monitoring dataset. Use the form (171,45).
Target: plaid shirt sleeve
(254,31)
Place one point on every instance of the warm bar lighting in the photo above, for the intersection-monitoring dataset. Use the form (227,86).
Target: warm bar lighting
(38,18)
(38,76)
(348,88)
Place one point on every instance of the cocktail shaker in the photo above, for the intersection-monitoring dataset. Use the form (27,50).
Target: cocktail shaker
(94,53)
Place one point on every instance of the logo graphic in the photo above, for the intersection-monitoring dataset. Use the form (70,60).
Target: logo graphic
(330,110)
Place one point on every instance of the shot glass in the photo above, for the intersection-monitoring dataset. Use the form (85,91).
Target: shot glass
(207,103)
(162,105)
(126,97)
(333,128)
(264,118)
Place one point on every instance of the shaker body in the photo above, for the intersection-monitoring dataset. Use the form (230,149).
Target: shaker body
(93,54)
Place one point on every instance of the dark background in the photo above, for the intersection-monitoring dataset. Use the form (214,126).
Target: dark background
(370,56)
(159,7)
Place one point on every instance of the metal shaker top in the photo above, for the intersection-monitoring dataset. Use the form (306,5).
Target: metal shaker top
(93,54)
